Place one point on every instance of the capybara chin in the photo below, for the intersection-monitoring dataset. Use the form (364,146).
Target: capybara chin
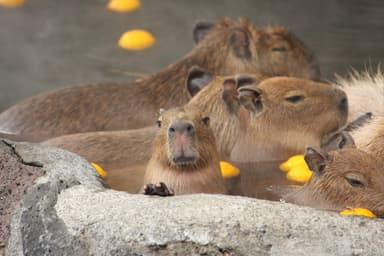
(289,114)
(227,47)
(184,155)
(341,179)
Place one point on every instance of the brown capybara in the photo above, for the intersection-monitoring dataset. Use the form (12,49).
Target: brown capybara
(229,47)
(288,115)
(184,155)
(345,178)
(232,103)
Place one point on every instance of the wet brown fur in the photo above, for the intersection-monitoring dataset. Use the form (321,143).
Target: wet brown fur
(117,106)
(282,129)
(331,190)
(204,175)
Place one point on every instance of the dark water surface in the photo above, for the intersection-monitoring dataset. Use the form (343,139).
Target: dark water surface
(48,44)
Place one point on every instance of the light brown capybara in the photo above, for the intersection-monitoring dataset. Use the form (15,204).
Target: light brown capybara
(227,47)
(184,155)
(344,178)
(288,115)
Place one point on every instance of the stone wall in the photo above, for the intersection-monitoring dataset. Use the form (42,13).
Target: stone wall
(69,212)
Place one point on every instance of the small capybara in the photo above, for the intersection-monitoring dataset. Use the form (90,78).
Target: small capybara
(288,115)
(228,47)
(343,178)
(232,103)
(184,155)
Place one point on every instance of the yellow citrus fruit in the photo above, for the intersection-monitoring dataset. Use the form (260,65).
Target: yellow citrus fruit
(299,173)
(228,170)
(123,5)
(11,3)
(358,212)
(291,162)
(136,40)
(99,169)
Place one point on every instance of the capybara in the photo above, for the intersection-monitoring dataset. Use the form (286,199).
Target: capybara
(288,115)
(343,178)
(232,103)
(229,47)
(184,155)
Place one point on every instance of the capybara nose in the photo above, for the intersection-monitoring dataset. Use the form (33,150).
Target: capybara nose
(181,127)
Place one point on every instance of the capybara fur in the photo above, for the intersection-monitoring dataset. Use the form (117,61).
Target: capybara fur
(344,178)
(184,154)
(288,115)
(229,47)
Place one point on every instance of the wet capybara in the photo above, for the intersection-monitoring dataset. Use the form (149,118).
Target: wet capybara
(288,115)
(232,103)
(184,155)
(228,47)
(345,178)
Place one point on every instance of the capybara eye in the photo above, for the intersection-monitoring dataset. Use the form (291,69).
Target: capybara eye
(158,122)
(206,120)
(355,183)
(279,49)
(295,99)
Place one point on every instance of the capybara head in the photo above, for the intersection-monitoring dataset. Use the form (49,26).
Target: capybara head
(185,140)
(343,178)
(220,97)
(272,51)
(289,114)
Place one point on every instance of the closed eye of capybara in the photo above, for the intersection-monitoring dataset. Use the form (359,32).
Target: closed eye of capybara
(184,155)
(341,179)
(227,47)
(287,115)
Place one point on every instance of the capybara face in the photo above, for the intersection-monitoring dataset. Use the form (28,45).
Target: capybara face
(277,49)
(344,178)
(272,51)
(187,138)
(288,114)
(303,105)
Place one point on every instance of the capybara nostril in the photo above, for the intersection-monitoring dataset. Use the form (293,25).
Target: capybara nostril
(181,127)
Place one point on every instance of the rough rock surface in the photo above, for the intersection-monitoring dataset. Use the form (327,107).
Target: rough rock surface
(15,178)
(69,212)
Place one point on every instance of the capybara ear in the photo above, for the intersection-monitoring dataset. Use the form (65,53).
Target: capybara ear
(316,160)
(197,79)
(201,29)
(338,141)
(250,98)
(230,94)
(358,122)
(240,42)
